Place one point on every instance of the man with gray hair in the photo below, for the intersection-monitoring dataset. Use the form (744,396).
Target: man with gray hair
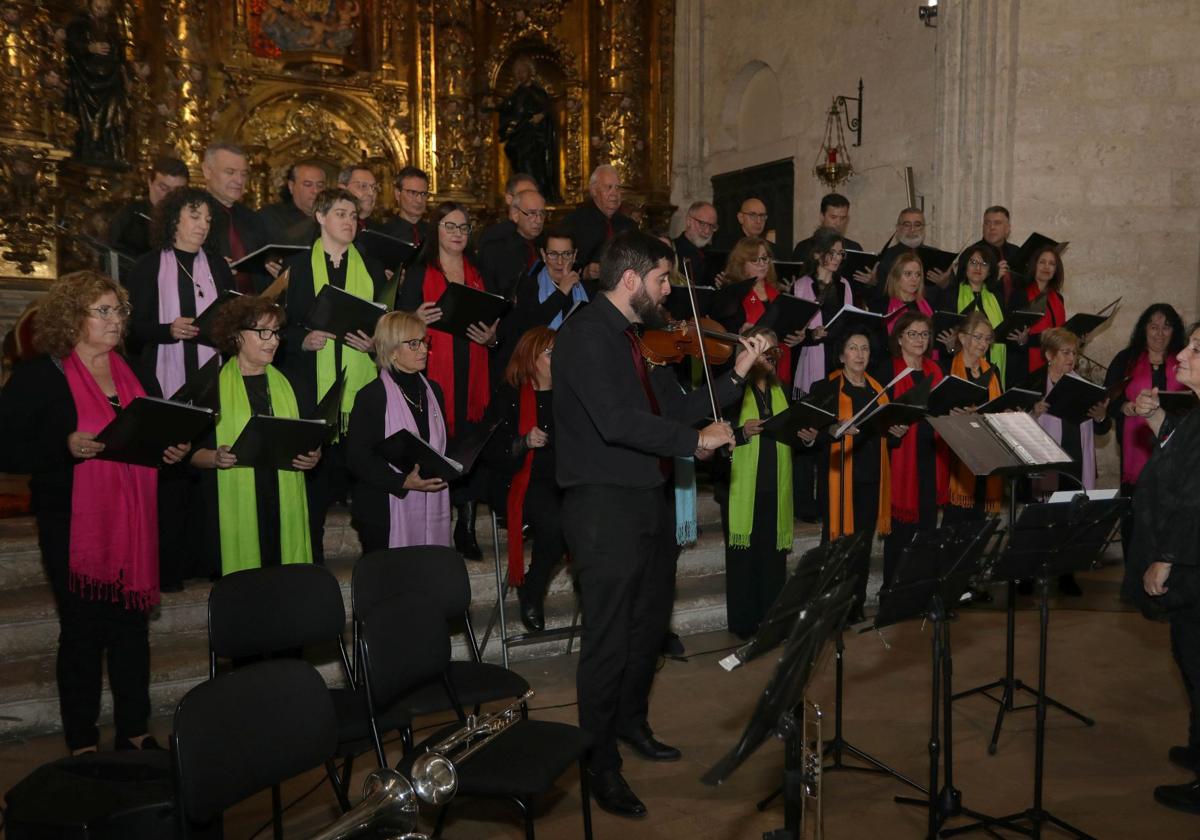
(691,246)
(598,219)
(505,259)
(236,229)
(360,182)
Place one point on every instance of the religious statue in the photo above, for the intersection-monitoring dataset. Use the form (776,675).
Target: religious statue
(527,129)
(97,85)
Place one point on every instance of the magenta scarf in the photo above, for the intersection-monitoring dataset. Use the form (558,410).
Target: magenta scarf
(1136,438)
(1087,443)
(419,518)
(114,506)
(896,303)
(168,367)
(810,366)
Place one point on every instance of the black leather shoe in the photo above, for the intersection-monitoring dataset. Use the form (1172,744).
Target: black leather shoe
(532,615)
(1186,757)
(647,746)
(1067,585)
(1180,797)
(611,792)
(148,743)
(464,533)
(673,645)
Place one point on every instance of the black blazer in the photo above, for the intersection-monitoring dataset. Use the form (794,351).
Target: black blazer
(504,258)
(249,227)
(589,228)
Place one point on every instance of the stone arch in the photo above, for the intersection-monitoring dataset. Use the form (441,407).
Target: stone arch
(750,115)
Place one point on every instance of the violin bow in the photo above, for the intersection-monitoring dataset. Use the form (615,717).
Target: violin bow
(712,395)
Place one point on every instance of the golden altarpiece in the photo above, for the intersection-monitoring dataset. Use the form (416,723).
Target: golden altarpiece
(387,82)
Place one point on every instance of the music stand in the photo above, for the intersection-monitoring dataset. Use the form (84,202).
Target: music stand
(776,711)
(1011,445)
(934,571)
(1051,539)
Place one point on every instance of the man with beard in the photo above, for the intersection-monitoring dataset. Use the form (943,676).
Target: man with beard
(597,220)
(616,423)
(910,235)
(691,246)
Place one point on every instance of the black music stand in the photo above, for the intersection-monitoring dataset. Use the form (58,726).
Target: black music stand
(977,443)
(1049,540)
(776,712)
(934,572)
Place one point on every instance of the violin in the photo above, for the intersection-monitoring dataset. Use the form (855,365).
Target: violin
(670,344)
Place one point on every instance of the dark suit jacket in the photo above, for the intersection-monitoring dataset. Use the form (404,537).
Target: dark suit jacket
(128,232)
(249,227)
(416,234)
(503,258)
(287,224)
(589,227)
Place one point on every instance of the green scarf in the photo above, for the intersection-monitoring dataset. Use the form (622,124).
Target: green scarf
(359,367)
(991,308)
(743,484)
(237,506)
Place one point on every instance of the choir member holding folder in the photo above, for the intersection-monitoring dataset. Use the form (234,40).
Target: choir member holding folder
(832,293)
(458,363)
(392,508)
(973,497)
(262,514)
(168,288)
(1047,269)
(97,519)
(314,357)
(919,462)
(974,288)
(751,259)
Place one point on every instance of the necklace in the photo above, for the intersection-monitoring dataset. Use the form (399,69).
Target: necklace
(192,280)
(419,404)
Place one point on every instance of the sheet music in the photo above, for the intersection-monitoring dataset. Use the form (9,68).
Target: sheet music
(1026,438)
(841,430)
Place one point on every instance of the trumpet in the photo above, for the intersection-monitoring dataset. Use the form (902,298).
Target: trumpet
(434,777)
(389,805)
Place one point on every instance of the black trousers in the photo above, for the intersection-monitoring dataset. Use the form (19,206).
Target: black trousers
(1185,646)
(91,633)
(623,551)
(326,483)
(372,536)
(1127,523)
(543,513)
(866,515)
(182,548)
(804,483)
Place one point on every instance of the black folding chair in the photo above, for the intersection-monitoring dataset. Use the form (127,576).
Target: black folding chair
(265,611)
(244,731)
(435,573)
(518,764)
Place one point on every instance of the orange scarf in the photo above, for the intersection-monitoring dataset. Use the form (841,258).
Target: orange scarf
(962,480)
(883,522)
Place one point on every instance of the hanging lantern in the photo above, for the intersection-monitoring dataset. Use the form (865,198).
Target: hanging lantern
(833,164)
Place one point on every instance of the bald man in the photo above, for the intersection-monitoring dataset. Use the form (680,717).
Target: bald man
(752,217)
(290,221)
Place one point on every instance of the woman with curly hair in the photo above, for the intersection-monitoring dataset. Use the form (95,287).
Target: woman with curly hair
(168,288)
(97,520)
(261,514)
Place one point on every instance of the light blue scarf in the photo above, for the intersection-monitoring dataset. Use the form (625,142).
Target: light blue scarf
(546,288)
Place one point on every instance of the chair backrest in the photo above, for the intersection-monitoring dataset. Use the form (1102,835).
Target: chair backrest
(247,730)
(261,611)
(429,572)
(405,643)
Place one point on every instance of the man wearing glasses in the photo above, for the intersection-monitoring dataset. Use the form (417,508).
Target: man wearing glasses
(509,252)
(691,246)
(752,218)
(910,235)
(412,196)
(360,182)
(545,297)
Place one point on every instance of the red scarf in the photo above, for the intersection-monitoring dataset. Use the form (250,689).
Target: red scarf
(906,504)
(526,420)
(441,352)
(1056,316)
(753,306)
(114,506)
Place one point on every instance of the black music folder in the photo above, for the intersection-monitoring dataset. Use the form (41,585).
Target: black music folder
(404,450)
(340,312)
(856,261)
(955,392)
(680,307)
(814,412)
(787,314)
(1011,442)
(391,251)
(1177,402)
(256,261)
(1072,397)
(1015,321)
(463,306)
(726,301)
(943,320)
(1014,399)
(466,448)
(329,409)
(147,426)
(905,410)
(202,387)
(789,271)
(1019,264)
(205,320)
(1082,323)
(850,314)
(271,443)
(934,259)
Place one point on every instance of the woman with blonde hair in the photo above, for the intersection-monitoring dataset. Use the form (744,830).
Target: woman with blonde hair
(971,497)
(391,508)
(751,259)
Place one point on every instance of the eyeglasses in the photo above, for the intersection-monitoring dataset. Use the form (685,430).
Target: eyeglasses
(364,186)
(982,339)
(265,334)
(560,255)
(533,214)
(106,312)
(758,217)
(451,227)
(763,260)
(977,263)
(703,224)
(415,344)
(416,193)
(913,335)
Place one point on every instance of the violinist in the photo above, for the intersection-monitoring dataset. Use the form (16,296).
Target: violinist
(615,422)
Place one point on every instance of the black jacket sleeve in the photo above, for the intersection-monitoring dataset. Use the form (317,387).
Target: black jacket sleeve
(365,431)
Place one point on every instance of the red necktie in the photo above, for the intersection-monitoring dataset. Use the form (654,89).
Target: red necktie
(530,254)
(608,230)
(243,281)
(416,235)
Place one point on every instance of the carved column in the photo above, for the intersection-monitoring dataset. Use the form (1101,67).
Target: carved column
(622,57)
(975,93)
(186,107)
(456,131)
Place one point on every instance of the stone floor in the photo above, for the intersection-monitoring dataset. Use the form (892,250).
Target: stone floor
(1110,663)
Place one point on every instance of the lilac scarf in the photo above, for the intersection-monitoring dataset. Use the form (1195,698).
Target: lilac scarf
(1087,443)
(168,367)
(419,518)
(810,367)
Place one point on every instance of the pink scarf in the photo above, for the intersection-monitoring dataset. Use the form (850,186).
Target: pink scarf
(114,506)
(1136,438)
(419,518)
(896,303)
(168,367)
(810,366)
(1087,444)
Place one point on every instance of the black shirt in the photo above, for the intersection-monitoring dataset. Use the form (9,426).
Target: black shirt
(286,224)
(129,230)
(505,258)
(603,419)
(590,229)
